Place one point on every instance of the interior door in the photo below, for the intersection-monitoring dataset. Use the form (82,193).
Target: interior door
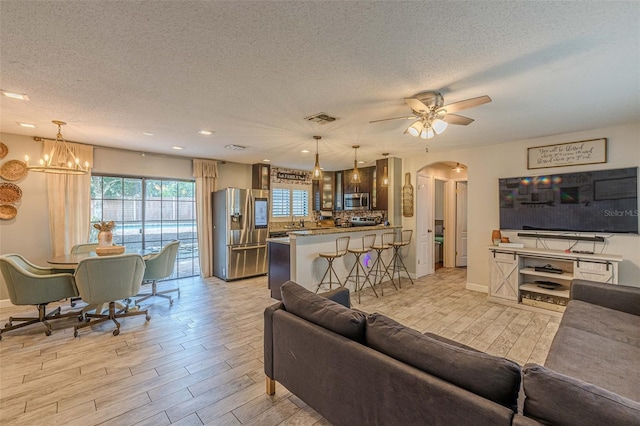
(461,223)
(424,225)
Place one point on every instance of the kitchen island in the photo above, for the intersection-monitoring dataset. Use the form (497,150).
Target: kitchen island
(306,267)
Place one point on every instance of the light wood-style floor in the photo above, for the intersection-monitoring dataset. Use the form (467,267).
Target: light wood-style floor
(200,361)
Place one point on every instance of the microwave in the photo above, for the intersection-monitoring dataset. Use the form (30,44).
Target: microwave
(356,201)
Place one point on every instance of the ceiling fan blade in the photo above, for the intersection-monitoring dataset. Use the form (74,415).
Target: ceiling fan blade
(396,118)
(416,105)
(457,119)
(469,103)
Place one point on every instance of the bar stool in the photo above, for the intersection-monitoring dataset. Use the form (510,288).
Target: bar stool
(342,244)
(379,269)
(396,263)
(367,243)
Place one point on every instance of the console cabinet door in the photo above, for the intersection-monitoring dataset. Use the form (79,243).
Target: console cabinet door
(596,271)
(504,276)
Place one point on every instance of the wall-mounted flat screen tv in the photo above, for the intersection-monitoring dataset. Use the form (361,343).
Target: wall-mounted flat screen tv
(604,201)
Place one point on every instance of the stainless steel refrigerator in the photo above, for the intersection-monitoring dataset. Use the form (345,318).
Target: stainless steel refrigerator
(240,231)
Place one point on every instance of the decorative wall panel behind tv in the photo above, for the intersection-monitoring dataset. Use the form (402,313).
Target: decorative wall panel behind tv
(604,201)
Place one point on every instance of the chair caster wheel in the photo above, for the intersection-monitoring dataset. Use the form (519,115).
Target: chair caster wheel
(47,333)
(171,302)
(7,324)
(147,317)
(80,318)
(75,333)
(116,332)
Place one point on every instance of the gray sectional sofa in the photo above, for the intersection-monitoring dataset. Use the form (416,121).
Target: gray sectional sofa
(366,369)
(591,376)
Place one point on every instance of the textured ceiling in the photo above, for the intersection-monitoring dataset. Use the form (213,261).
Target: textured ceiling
(251,72)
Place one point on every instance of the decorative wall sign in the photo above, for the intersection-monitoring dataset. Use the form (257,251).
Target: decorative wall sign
(290,176)
(407,196)
(591,151)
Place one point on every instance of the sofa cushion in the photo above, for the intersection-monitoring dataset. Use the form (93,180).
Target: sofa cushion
(605,322)
(491,377)
(323,312)
(554,398)
(596,359)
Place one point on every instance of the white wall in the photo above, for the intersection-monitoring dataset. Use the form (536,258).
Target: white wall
(28,232)
(489,163)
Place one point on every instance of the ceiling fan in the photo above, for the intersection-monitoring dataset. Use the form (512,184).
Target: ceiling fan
(433,116)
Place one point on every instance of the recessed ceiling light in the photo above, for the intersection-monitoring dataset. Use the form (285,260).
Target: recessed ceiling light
(266,160)
(31,126)
(234,147)
(147,133)
(14,95)
(205,132)
(360,162)
(178,147)
(304,151)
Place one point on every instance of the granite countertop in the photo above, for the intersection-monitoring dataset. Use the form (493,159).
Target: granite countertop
(340,230)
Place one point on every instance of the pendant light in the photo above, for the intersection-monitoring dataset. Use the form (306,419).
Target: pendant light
(385,172)
(316,173)
(60,159)
(355,176)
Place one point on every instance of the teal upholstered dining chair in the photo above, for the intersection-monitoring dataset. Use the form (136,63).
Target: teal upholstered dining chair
(84,248)
(77,249)
(108,279)
(160,266)
(29,284)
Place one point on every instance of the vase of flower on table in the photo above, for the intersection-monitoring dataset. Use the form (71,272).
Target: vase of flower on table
(105,234)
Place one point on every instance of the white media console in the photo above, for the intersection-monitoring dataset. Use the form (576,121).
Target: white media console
(518,275)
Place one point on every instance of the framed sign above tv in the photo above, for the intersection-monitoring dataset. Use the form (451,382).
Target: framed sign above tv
(567,154)
(604,201)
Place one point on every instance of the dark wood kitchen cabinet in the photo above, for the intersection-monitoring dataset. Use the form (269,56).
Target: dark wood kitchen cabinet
(324,192)
(366,178)
(261,176)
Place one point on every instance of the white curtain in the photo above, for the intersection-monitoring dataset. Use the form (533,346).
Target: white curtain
(206,174)
(69,199)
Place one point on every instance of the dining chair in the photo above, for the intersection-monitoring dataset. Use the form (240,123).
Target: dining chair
(77,249)
(160,266)
(107,279)
(30,284)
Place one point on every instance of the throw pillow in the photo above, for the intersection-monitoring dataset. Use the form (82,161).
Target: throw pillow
(491,377)
(323,312)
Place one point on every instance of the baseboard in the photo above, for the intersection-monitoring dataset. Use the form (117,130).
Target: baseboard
(477,287)
(5,303)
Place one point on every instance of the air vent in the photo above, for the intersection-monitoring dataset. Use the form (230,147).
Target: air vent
(321,118)
(235,147)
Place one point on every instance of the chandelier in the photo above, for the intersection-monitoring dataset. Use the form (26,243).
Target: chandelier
(355,175)
(316,173)
(385,172)
(61,159)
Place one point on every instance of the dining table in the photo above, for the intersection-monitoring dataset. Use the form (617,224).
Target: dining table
(69,262)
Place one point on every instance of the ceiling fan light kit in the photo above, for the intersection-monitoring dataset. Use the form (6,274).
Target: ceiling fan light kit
(433,117)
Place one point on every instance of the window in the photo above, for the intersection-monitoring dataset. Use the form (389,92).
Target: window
(148,214)
(287,202)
